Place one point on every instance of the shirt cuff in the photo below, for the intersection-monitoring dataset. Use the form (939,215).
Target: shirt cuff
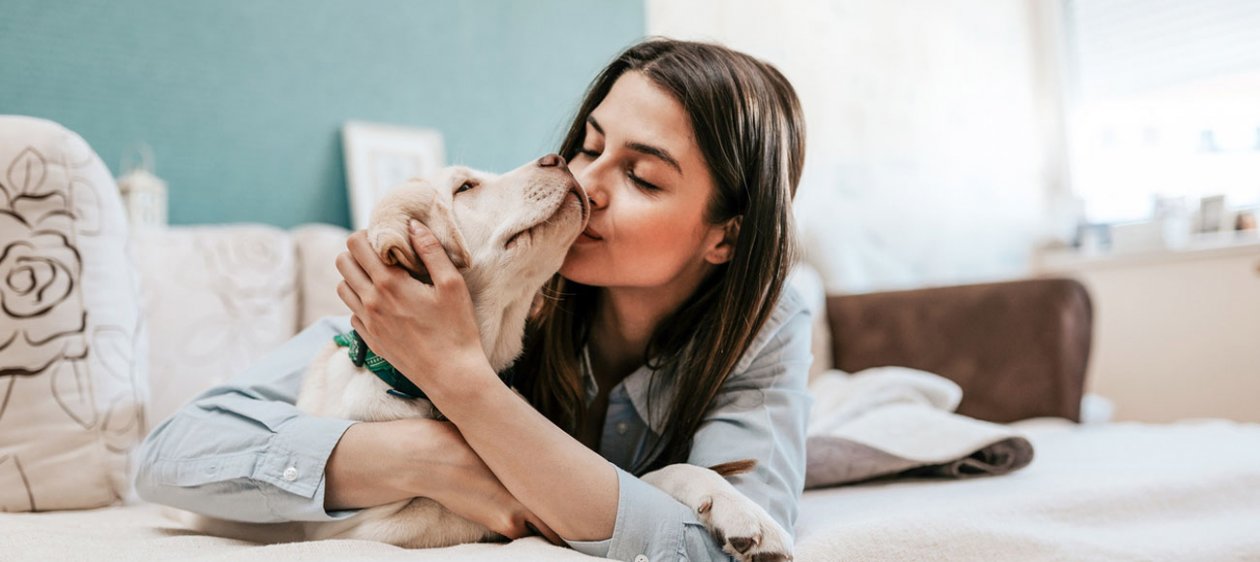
(294,462)
(649,524)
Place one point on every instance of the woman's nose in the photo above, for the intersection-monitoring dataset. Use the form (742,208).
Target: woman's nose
(592,185)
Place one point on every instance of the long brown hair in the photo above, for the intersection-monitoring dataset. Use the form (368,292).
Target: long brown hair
(748,124)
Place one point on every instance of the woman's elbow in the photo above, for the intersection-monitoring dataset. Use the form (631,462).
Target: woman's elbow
(143,478)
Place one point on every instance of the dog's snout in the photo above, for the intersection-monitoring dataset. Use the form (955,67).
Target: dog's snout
(551,161)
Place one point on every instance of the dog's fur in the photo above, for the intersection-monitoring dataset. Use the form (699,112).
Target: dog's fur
(507,234)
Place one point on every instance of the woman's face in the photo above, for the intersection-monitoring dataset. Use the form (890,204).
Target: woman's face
(649,188)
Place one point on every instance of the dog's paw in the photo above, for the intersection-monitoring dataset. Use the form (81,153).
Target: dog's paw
(744,529)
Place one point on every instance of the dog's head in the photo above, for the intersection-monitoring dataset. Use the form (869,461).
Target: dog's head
(506,232)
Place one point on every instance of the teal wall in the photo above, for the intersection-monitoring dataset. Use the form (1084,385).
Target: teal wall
(243,100)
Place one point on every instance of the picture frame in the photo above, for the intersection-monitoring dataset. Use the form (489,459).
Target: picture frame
(381,156)
(1213,214)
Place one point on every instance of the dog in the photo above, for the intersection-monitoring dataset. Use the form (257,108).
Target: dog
(507,234)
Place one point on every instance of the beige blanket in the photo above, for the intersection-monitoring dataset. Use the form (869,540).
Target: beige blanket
(895,421)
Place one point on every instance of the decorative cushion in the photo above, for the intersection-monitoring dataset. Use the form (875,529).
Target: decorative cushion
(317,249)
(222,296)
(809,284)
(73,378)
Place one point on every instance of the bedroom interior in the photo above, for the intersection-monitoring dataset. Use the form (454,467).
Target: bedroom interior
(1029,234)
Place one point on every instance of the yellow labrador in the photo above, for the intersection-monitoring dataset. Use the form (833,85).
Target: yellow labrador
(507,234)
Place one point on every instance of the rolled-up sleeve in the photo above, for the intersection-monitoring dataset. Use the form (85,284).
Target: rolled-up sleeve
(242,450)
(760,413)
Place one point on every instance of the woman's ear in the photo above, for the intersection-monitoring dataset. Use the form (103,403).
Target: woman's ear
(722,248)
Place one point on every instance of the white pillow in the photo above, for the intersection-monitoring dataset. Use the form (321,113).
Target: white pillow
(217,297)
(73,376)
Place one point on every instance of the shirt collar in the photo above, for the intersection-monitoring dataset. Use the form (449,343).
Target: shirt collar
(636,388)
(636,385)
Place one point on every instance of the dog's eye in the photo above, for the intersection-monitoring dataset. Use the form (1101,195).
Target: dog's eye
(464,187)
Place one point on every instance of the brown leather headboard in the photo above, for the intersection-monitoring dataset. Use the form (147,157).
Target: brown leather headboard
(1018,349)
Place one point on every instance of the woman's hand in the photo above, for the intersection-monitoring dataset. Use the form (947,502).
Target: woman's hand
(468,488)
(427,332)
(376,463)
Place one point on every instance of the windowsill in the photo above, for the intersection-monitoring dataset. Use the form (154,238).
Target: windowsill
(1203,246)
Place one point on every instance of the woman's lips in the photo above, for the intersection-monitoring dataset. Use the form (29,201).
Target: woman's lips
(591,234)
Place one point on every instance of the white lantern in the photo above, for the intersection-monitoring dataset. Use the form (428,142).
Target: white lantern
(143,194)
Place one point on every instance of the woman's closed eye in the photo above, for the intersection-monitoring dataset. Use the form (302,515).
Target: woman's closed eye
(643,184)
(647,186)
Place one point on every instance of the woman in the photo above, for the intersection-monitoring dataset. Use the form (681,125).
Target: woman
(666,337)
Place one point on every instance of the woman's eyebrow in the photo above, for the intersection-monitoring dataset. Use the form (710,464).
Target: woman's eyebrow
(642,148)
(591,119)
(655,151)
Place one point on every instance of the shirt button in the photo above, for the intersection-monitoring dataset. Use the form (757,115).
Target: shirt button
(640,558)
(622,427)
(290,473)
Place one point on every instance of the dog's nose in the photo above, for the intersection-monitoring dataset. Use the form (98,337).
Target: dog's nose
(550,161)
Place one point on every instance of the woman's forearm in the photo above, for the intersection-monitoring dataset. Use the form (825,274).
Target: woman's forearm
(376,463)
(383,462)
(570,487)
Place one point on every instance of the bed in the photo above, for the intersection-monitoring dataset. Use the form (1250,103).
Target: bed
(1094,490)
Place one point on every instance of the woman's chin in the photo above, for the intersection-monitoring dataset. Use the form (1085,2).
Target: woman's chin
(575,270)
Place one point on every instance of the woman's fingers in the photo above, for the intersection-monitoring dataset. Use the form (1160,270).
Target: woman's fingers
(513,529)
(350,297)
(462,483)
(352,273)
(358,326)
(363,254)
(522,523)
(542,529)
(430,251)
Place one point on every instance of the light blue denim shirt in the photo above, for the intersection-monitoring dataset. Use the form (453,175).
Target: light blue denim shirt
(243,451)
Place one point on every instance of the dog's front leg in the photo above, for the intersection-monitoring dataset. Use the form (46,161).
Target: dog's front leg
(742,527)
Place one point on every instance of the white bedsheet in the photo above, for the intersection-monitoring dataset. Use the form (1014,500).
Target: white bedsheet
(1121,491)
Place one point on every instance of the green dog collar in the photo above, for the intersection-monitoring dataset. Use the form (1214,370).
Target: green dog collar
(361,356)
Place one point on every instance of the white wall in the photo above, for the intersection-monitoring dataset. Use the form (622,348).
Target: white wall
(933,128)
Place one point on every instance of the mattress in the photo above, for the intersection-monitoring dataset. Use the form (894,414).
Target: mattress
(1118,491)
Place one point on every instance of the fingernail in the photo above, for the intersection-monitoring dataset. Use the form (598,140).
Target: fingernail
(414,225)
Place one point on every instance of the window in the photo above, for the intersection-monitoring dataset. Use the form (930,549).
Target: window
(1165,103)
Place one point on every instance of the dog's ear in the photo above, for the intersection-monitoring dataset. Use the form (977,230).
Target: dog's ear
(390,234)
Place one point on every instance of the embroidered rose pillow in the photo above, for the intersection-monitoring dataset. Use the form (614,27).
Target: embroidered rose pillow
(73,381)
